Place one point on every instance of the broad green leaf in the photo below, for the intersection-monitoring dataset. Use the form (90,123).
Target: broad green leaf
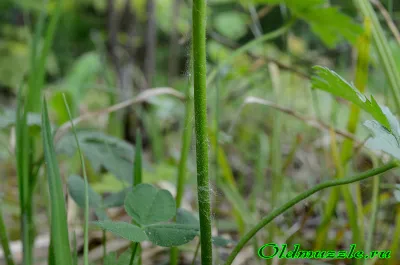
(123,229)
(185,217)
(170,235)
(231,24)
(147,204)
(115,199)
(329,81)
(59,227)
(76,188)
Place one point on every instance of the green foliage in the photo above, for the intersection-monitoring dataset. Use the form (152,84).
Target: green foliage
(169,235)
(59,226)
(160,205)
(329,81)
(101,150)
(123,229)
(326,22)
(385,129)
(148,206)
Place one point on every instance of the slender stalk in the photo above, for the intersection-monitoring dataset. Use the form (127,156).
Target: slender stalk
(137,179)
(60,248)
(86,210)
(200,110)
(4,240)
(286,206)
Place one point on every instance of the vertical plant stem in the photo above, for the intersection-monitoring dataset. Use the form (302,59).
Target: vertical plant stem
(59,228)
(86,221)
(137,179)
(200,109)
(4,240)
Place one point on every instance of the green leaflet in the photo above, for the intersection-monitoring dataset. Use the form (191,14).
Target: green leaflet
(169,235)
(123,229)
(148,205)
(329,81)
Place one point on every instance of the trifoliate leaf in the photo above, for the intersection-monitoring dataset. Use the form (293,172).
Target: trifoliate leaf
(122,229)
(147,204)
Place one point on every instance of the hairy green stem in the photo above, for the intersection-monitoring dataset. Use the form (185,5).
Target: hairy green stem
(200,108)
(278,211)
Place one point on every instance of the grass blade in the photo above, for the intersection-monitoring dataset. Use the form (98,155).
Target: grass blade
(86,226)
(59,227)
